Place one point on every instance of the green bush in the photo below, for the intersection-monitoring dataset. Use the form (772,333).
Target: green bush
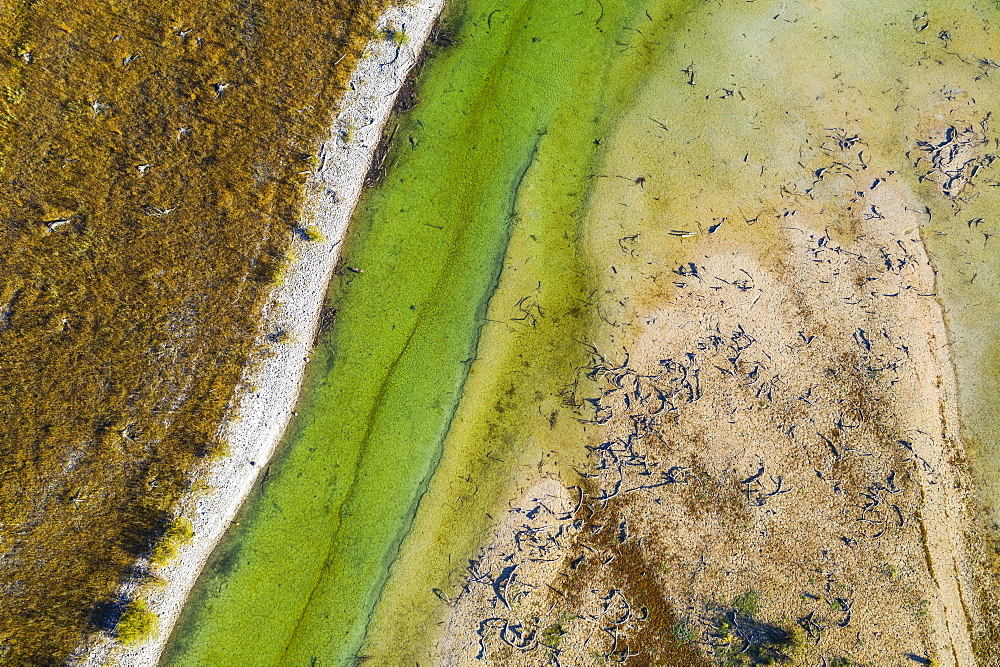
(396,36)
(137,624)
(747,604)
(738,640)
(178,533)
(313,233)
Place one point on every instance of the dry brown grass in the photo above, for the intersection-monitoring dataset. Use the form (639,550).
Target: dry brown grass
(151,160)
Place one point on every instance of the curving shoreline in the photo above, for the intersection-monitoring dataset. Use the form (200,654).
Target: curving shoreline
(270,385)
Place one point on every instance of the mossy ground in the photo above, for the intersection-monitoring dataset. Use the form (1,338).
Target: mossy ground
(151,158)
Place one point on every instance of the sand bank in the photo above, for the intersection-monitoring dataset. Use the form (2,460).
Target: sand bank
(271,385)
(774,446)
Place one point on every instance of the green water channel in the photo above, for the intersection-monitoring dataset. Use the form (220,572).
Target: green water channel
(517,106)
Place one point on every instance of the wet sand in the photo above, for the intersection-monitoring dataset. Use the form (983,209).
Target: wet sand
(783,422)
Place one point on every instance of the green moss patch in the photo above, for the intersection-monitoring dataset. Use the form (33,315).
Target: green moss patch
(138,624)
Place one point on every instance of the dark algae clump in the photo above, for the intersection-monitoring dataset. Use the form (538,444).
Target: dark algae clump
(151,162)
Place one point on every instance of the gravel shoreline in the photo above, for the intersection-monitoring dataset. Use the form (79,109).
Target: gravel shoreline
(270,386)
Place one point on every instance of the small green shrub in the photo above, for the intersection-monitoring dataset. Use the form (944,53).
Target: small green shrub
(396,36)
(312,233)
(738,640)
(272,267)
(279,269)
(137,624)
(747,604)
(797,643)
(552,635)
(178,533)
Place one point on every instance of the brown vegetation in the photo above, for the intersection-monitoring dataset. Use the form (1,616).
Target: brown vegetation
(151,159)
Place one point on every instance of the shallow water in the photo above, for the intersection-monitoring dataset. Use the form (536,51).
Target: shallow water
(304,569)
(726,129)
(498,245)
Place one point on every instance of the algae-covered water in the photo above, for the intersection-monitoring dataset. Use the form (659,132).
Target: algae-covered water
(520,104)
(547,136)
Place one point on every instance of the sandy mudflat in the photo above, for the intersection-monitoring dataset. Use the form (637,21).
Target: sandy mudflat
(271,386)
(785,422)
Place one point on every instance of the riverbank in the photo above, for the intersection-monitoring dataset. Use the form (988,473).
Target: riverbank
(271,385)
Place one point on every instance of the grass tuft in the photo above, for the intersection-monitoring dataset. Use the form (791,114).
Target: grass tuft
(138,624)
(177,534)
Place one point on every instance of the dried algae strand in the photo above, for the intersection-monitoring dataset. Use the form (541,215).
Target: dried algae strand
(151,162)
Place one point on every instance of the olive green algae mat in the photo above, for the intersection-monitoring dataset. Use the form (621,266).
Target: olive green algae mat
(296,581)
